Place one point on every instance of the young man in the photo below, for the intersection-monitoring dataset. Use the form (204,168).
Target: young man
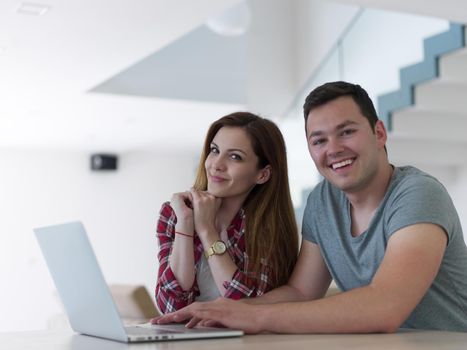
(389,236)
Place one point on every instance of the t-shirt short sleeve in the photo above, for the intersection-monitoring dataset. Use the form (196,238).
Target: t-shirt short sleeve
(419,199)
(306,229)
(315,208)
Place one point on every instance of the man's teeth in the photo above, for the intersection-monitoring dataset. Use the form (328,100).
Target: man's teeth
(341,164)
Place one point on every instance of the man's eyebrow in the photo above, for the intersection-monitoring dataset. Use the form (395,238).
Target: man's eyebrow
(338,127)
(316,133)
(345,124)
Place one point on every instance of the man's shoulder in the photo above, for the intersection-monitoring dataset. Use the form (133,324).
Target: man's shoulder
(407,177)
(318,189)
(416,192)
(323,192)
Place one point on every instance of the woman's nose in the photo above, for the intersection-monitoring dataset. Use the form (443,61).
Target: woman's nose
(218,163)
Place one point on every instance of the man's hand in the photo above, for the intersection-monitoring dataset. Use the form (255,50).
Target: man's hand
(221,312)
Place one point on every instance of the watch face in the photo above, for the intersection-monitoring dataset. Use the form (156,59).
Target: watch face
(219,247)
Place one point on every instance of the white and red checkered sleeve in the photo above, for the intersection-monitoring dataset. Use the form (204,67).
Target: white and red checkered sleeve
(169,294)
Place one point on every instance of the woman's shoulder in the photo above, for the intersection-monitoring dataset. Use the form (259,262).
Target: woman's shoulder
(239,219)
(167,219)
(166,210)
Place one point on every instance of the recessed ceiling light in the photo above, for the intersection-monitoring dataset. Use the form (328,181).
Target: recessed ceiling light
(233,22)
(32,9)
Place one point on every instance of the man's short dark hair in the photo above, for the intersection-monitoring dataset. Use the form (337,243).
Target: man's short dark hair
(330,91)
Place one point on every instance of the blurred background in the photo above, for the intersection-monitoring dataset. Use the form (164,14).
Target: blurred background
(142,81)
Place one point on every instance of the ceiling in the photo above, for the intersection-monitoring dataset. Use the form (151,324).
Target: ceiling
(119,75)
(52,66)
(201,66)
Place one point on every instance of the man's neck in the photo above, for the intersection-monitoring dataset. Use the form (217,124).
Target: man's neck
(371,196)
(364,203)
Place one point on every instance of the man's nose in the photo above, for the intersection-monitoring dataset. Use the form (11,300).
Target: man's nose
(334,147)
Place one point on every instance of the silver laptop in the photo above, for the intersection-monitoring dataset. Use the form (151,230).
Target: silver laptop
(86,296)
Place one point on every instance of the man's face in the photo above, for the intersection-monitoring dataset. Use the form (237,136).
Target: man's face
(343,145)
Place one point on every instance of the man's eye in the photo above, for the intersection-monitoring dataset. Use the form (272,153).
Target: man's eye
(348,132)
(317,142)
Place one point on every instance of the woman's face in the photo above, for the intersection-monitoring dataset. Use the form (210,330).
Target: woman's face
(232,165)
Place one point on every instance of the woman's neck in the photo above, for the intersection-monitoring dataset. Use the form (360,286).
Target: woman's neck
(227,211)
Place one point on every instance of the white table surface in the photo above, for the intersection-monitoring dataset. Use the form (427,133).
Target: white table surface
(426,340)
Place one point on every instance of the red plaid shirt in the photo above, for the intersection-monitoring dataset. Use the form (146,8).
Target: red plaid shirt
(170,296)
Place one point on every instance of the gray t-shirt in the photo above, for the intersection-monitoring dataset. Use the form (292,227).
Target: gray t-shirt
(412,197)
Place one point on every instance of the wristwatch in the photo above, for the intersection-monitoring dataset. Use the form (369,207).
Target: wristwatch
(217,248)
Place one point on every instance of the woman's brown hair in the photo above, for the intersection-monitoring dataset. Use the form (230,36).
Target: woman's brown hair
(271,229)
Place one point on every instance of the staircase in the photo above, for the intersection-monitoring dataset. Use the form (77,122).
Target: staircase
(427,116)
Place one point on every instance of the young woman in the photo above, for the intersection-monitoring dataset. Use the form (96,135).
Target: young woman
(234,233)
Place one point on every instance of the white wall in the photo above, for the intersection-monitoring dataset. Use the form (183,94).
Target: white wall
(314,27)
(287,41)
(319,24)
(458,191)
(119,211)
(271,55)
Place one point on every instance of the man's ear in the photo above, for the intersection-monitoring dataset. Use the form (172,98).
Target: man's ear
(381,133)
(264,175)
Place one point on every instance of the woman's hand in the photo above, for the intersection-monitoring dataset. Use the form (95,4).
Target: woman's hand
(205,207)
(181,203)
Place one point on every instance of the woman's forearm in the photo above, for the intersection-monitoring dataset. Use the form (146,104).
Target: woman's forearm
(181,260)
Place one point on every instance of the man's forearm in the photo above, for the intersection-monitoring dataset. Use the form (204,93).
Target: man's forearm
(357,311)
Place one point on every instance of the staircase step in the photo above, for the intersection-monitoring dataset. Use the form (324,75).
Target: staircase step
(442,96)
(427,124)
(440,159)
(404,149)
(453,66)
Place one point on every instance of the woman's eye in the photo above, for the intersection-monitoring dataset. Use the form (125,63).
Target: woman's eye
(214,150)
(235,157)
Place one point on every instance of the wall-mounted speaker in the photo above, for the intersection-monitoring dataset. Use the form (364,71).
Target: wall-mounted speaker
(104,162)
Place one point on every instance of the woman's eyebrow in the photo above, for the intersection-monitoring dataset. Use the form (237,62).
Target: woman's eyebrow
(230,149)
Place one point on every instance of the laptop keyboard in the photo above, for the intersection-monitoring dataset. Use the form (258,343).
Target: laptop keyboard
(147,328)
(134,330)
